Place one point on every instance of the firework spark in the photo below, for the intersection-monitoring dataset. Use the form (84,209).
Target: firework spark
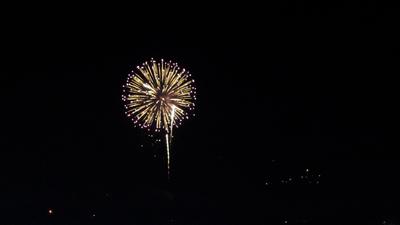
(159,96)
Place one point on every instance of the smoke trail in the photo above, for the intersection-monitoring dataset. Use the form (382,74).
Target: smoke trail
(167,142)
(168,139)
(172,118)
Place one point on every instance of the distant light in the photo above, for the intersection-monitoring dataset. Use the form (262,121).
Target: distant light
(50,212)
(307,170)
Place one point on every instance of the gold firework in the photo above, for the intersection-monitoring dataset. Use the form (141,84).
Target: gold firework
(159,95)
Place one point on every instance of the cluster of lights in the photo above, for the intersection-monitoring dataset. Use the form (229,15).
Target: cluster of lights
(306,178)
(310,178)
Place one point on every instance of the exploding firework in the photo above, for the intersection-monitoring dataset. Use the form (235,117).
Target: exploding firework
(158,96)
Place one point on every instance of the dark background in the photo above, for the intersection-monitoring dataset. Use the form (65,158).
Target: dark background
(282,88)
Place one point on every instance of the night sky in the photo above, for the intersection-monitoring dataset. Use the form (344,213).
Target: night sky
(294,105)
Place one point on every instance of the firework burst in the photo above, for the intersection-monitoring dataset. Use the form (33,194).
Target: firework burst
(158,96)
